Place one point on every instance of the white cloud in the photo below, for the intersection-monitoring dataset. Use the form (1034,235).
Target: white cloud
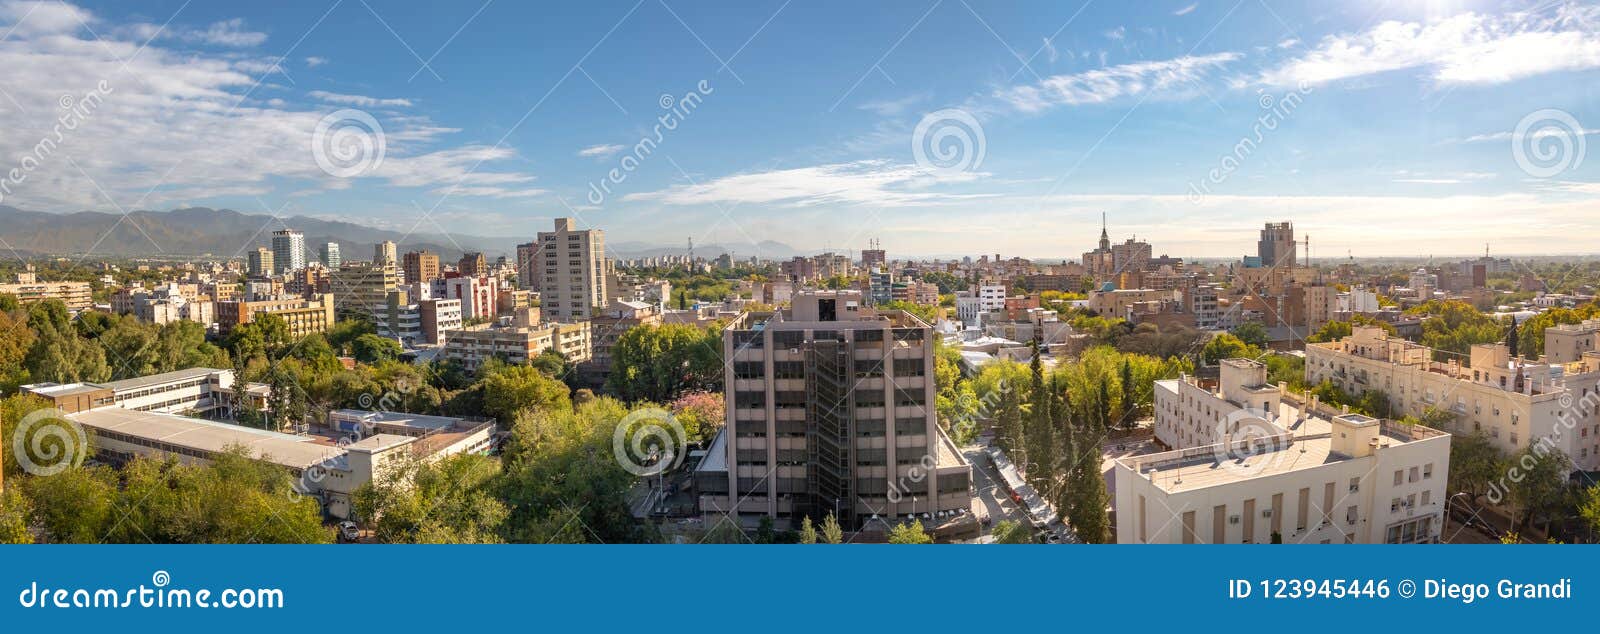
(1173,77)
(1117,33)
(357,100)
(894,107)
(1469,48)
(176,126)
(314,61)
(226,33)
(876,183)
(43,17)
(1186,10)
(600,151)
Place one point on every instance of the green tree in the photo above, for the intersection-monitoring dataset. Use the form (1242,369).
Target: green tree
(911,533)
(15,509)
(1589,508)
(1543,485)
(451,501)
(1227,346)
(808,531)
(58,353)
(372,349)
(831,532)
(658,363)
(1011,532)
(508,390)
(1252,334)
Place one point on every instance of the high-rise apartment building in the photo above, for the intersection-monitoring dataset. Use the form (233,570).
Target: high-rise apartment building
(1277,246)
(421,267)
(288,250)
(330,255)
(260,263)
(385,253)
(573,266)
(528,266)
(830,410)
(472,264)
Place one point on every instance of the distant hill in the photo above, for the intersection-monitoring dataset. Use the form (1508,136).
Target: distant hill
(221,233)
(225,233)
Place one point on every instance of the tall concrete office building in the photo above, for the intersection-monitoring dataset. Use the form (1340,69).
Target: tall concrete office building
(330,255)
(1277,246)
(830,410)
(385,253)
(528,273)
(288,250)
(259,263)
(420,267)
(572,266)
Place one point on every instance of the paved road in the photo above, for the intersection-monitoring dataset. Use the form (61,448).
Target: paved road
(991,499)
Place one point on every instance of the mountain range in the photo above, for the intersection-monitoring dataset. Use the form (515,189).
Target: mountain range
(225,233)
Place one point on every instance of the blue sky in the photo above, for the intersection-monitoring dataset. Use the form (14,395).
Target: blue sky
(1380,128)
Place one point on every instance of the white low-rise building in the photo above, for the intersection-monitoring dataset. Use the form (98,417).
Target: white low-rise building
(1253,464)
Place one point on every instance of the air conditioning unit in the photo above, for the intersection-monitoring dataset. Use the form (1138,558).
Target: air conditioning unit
(1267,513)
(1233,519)
(1354,488)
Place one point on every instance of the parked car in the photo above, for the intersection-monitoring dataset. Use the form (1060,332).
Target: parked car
(349,532)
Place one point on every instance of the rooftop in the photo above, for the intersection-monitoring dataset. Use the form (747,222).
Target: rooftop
(207,436)
(159,379)
(1307,444)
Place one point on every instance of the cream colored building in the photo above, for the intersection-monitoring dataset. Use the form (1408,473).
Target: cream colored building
(1296,469)
(571,270)
(1514,403)
(518,341)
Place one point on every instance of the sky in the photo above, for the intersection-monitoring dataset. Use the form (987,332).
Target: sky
(937,127)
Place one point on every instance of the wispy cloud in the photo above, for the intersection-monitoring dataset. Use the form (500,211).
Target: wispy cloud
(1172,77)
(1186,10)
(875,182)
(314,61)
(1469,48)
(600,151)
(357,100)
(894,107)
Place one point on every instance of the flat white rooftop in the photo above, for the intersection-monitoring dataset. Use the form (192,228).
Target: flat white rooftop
(207,436)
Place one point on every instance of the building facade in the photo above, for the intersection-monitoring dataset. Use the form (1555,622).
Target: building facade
(573,270)
(830,410)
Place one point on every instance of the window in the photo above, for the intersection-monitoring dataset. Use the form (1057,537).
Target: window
(1399,477)
(1427,471)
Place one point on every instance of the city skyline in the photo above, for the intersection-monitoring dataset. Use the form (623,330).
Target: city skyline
(1070,111)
